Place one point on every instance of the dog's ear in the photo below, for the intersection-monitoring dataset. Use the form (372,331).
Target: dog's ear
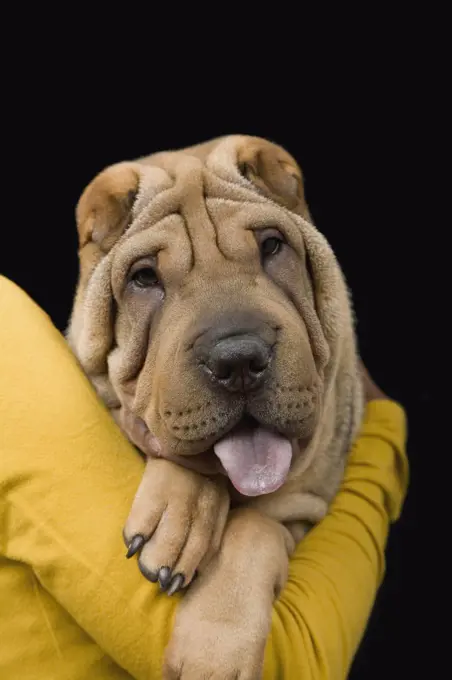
(104,209)
(274,173)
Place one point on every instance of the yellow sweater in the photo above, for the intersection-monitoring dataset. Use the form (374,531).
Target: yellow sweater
(73,608)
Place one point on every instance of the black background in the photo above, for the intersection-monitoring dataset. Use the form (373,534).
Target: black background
(357,137)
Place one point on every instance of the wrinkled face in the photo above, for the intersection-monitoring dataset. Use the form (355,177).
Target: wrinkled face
(211,315)
(217,339)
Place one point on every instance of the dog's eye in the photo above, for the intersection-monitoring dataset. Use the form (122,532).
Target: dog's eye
(271,246)
(145,277)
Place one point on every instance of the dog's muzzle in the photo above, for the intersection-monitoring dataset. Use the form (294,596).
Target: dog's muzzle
(238,363)
(236,355)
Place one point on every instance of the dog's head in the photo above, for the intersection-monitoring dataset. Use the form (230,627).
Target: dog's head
(210,313)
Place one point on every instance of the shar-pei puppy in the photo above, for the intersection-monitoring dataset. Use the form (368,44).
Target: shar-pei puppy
(213,319)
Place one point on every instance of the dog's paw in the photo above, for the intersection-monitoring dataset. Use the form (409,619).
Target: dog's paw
(222,624)
(216,637)
(201,650)
(187,659)
(176,523)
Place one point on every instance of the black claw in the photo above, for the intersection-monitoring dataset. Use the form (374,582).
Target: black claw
(135,545)
(151,576)
(176,584)
(164,577)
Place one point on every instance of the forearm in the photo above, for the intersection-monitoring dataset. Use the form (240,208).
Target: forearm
(67,480)
(336,570)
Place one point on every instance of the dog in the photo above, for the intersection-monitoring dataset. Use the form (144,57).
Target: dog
(215,323)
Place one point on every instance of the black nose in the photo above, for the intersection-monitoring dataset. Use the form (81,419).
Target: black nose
(239,362)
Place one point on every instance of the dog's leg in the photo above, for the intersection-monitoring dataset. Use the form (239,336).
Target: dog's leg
(223,622)
(176,523)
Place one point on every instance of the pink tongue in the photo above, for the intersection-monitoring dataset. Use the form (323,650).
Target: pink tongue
(256,460)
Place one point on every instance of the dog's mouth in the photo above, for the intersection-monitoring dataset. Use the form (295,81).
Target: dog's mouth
(256,459)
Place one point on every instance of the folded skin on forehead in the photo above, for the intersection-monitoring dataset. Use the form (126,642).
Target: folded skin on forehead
(166,240)
(237,254)
(209,220)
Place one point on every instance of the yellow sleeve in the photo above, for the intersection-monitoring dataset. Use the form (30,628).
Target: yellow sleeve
(67,478)
(321,616)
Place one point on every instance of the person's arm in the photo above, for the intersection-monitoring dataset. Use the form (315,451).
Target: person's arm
(337,568)
(67,480)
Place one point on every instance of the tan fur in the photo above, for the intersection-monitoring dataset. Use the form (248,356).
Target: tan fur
(195,210)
